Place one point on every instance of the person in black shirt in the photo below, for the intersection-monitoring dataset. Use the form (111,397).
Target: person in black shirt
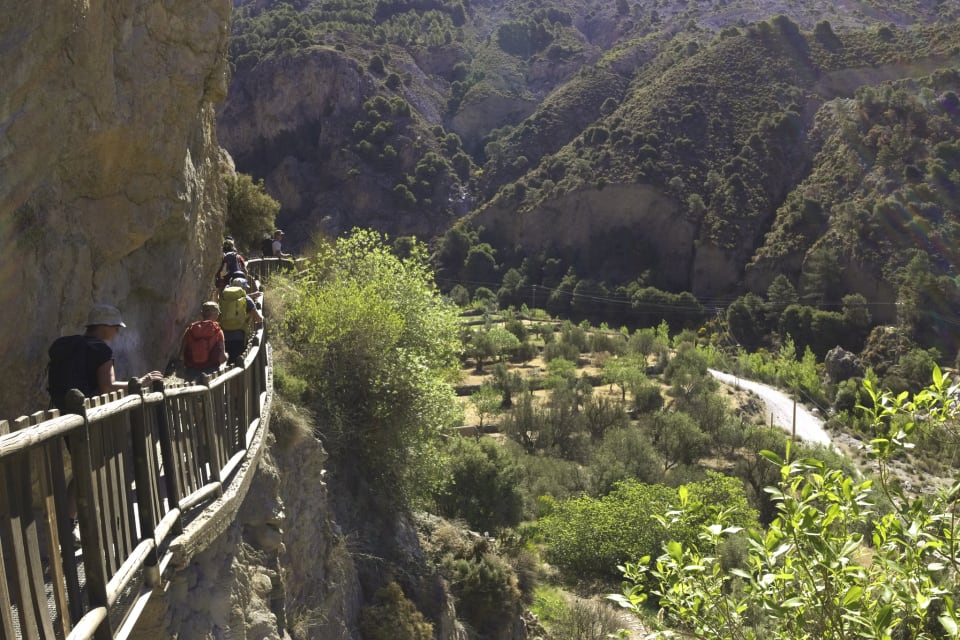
(85,362)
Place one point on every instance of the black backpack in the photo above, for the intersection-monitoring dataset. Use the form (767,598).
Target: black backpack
(68,368)
(232,261)
(266,246)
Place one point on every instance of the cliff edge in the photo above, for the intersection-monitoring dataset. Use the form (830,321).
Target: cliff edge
(111,187)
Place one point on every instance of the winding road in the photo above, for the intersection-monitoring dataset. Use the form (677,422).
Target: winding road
(780,408)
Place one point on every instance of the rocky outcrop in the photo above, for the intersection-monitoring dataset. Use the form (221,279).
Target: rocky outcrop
(280,570)
(618,230)
(290,121)
(840,365)
(112,185)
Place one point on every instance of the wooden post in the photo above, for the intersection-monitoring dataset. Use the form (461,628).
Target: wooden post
(144,473)
(170,463)
(212,434)
(793,436)
(48,461)
(88,511)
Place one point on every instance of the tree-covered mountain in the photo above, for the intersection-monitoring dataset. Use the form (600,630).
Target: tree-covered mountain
(626,153)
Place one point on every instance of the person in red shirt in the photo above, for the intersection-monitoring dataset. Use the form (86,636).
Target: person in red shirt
(202,348)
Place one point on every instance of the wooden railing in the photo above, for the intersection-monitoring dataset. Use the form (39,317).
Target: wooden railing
(146,463)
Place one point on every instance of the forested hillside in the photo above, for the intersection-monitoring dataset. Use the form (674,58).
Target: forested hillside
(613,156)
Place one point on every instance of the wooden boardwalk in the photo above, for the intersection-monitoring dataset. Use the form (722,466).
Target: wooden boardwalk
(160,473)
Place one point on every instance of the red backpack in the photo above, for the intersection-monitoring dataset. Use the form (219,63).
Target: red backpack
(200,339)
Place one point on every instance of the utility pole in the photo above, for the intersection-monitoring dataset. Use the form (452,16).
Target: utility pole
(793,436)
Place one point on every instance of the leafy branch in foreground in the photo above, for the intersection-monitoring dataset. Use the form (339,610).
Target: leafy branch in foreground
(831,565)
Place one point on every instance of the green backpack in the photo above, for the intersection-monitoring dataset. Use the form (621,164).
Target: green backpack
(233,309)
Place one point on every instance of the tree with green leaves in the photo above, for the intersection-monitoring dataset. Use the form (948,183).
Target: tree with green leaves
(492,343)
(379,348)
(486,401)
(832,564)
(483,485)
(624,372)
(251,211)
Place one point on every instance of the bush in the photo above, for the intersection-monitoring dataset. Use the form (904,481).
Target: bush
(378,345)
(482,487)
(376,65)
(624,453)
(565,350)
(486,591)
(251,211)
(588,537)
(586,620)
(647,397)
(393,617)
(890,581)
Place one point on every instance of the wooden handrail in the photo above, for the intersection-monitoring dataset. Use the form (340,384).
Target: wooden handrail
(145,463)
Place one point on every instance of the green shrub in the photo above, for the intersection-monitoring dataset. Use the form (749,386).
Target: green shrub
(815,571)
(624,453)
(378,346)
(251,211)
(483,485)
(376,65)
(486,591)
(564,350)
(647,396)
(393,617)
(589,537)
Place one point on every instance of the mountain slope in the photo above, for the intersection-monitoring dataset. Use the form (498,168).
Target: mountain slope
(683,147)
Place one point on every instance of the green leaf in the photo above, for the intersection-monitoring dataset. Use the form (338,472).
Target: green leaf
(852,595)
(675,550)
(772,457)
(883,618)
(949,625)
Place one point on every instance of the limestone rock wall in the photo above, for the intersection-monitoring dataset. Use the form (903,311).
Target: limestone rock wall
(111,183)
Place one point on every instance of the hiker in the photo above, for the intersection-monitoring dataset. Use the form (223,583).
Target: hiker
(266,245)
(237,312)
(231,266)
(202,347)
(278,245)
(85,362)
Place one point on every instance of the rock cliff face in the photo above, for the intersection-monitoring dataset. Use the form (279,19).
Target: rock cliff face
(111,183)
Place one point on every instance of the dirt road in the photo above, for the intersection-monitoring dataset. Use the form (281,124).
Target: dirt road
(780,409)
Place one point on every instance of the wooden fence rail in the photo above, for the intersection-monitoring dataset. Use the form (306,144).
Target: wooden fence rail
(145,463)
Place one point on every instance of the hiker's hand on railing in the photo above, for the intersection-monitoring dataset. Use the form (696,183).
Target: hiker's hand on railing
(150,377)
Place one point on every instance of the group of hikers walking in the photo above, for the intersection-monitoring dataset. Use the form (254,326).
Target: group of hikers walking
(217,339)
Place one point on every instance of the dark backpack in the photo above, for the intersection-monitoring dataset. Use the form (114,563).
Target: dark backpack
(266,246)
(232,262)
(200,339)
(68,368)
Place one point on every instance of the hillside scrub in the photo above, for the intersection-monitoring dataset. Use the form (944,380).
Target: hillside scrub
(587,537)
